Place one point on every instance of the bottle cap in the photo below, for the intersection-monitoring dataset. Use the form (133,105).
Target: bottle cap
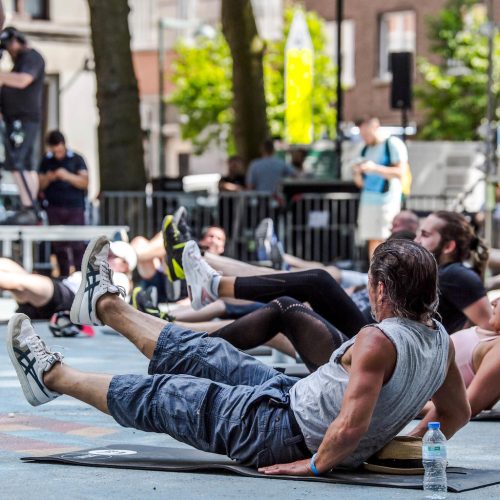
(433,425)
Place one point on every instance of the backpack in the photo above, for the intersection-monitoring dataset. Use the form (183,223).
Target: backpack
(406,177)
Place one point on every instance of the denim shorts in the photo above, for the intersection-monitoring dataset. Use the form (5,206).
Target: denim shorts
(204,392)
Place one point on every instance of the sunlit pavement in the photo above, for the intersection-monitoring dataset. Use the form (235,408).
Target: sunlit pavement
(66,424)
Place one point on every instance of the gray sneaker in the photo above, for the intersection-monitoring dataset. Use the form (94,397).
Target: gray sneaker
(97,280)
(201,279)
(31,359)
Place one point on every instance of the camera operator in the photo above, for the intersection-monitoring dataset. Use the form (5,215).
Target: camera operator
(21,105)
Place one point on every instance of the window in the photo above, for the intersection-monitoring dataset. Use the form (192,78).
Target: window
(34,9)
(397,33)
(348,49)
(269,18)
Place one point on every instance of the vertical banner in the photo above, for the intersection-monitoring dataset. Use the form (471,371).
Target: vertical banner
(299,61)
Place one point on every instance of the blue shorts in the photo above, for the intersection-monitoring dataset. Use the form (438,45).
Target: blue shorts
(204,392)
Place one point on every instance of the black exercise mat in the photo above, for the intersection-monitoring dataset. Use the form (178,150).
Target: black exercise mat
(488,415)
(125,456)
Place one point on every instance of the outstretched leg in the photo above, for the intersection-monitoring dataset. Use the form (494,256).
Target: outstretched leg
(316,287)
(312,336)
(242,422)
(170,348)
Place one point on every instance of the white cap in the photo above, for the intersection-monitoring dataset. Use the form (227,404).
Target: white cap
(124,251)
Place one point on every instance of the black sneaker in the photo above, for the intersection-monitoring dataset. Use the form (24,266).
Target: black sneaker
(181,221)
(146,301)
(174,243)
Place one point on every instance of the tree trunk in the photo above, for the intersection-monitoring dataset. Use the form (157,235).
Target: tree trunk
(247,49)
(121,154)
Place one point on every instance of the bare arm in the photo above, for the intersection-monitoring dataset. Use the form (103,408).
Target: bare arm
(16,80)
(373,361)
(479,313)
(449,404)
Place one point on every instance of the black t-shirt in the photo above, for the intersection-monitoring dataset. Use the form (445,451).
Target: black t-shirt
(25,104)
(238,179)
(62,193)
(459,287)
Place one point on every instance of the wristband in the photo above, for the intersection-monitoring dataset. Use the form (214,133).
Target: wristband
(313,466)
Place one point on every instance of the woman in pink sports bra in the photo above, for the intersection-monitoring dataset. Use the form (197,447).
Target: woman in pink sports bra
(477,354)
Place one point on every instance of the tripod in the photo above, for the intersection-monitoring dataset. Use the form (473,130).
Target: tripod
(15,160)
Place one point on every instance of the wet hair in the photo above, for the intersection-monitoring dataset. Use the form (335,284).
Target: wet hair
(54,138)
(409,274)
(469,247)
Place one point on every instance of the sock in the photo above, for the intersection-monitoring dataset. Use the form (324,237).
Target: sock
(214,285)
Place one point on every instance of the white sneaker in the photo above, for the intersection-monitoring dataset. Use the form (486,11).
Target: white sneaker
(31,359)
(199,276)
(97,279)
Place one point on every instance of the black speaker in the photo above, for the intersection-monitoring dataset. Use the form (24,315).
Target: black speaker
(401,64)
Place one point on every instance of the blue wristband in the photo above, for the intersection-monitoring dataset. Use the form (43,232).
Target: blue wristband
(313,466)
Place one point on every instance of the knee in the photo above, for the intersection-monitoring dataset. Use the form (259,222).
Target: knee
(283,303)
(322,278)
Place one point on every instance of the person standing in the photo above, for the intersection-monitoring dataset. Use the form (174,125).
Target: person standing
(64,180)
(21,106)
(265,174)
(378,175)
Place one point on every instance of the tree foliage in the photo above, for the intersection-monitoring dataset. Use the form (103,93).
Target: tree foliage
(454,93)
(202,75)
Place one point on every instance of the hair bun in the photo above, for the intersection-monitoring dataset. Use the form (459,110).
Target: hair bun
(474,243)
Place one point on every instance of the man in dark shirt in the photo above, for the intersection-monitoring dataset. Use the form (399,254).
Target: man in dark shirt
(21,106)
(462,297)
(64,180)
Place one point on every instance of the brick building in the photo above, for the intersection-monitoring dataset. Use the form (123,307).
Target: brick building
(370,31)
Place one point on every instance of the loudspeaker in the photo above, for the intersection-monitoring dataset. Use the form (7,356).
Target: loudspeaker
(401,64)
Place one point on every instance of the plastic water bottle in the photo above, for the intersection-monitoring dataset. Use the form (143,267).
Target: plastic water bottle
(434,461)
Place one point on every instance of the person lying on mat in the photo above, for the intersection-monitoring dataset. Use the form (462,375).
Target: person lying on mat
(204,392)
(477,353)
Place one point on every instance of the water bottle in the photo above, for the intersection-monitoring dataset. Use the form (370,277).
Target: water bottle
(434,461)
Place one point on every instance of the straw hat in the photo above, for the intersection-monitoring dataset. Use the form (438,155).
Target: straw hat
(402,455)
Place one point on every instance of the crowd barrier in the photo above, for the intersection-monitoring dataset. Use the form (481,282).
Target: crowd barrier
(320,227)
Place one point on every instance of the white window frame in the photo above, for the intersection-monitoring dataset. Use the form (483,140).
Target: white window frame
(348,49)
(406,43)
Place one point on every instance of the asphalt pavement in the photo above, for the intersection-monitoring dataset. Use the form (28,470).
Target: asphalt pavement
(67,425)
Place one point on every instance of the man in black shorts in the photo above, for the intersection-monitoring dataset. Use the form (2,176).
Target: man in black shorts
(21,107)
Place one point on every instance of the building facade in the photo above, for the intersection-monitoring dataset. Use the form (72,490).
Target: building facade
(59,30)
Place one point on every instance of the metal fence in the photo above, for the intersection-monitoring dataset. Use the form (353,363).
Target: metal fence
(317,227)
(320,227)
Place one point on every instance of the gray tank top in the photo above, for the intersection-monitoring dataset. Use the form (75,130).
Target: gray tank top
(421,367)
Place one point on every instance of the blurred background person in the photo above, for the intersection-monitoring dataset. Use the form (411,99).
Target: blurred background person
(64,180)
(21,95)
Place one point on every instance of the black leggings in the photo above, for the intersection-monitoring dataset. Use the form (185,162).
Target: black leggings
(312,336)
(316,287)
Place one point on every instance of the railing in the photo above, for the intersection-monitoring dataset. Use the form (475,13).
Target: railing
(311,226)
(320,227)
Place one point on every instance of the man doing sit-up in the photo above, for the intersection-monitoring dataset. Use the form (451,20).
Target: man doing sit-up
(204,392)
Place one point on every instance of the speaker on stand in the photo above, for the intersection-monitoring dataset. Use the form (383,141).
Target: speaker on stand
(401,64)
